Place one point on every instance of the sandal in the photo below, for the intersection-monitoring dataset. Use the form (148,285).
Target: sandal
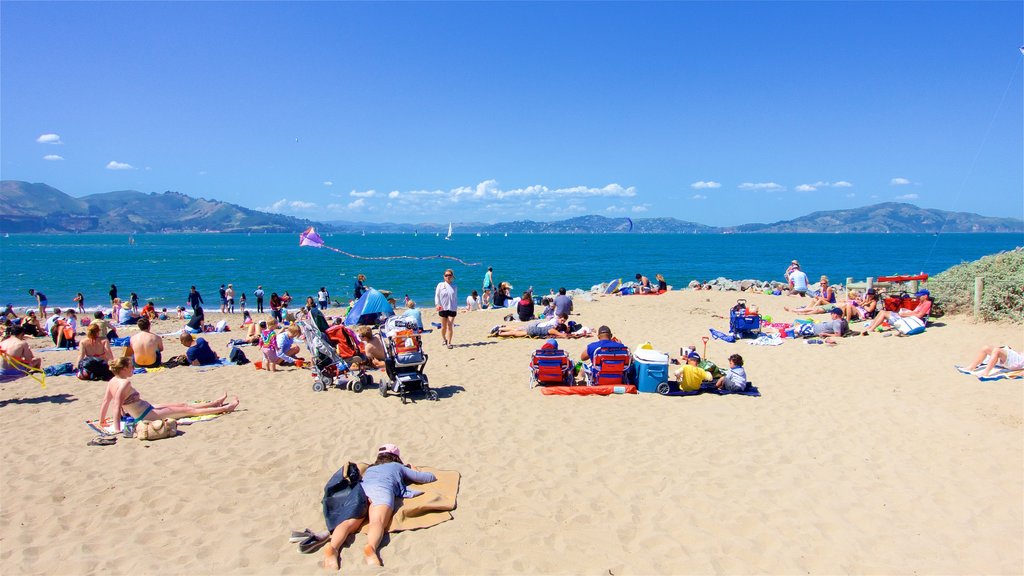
(103,441)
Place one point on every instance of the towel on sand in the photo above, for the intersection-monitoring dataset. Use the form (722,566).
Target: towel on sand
(709,388)
(997,374)
(431,508)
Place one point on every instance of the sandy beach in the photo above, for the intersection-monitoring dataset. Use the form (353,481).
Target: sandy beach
(871,457)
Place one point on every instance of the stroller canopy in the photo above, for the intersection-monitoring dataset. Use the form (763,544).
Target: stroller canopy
(369,306)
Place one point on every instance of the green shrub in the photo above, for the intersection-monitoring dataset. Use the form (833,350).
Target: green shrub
(1003,294)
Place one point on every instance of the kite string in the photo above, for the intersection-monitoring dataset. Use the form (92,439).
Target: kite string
(350,255)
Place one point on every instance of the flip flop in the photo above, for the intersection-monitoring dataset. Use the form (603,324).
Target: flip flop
(300,536)
(314,542)
(103,441)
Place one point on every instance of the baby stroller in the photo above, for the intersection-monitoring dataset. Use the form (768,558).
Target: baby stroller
(742,324)
(327,366)
(550,365)
(404,361)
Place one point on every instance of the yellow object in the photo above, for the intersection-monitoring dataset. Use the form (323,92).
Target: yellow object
(690,377)
(645,346)
(33,373)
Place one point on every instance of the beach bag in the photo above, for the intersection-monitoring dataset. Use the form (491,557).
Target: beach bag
(344,498)
(94,368)
(910,325)
(156,429)
(236,356)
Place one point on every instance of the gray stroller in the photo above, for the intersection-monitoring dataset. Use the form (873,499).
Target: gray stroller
(329,369)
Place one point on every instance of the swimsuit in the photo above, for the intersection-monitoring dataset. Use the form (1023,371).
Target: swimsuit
(153,365)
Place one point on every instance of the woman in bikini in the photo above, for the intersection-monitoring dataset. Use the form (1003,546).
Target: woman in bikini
(821,303)
(120,398)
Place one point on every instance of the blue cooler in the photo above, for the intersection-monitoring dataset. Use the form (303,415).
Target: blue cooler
(650,368)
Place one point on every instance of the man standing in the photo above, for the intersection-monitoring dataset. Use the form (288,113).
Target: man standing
(41,300)
(223,299)
(113,293)
(194,298)
(229,296)
(258,293)
(489,282)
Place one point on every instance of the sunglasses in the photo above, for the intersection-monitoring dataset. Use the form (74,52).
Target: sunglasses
(449,275)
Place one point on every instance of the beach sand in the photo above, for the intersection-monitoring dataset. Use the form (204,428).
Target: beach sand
(874,456)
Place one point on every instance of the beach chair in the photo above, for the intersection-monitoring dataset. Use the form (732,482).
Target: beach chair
(609,366)
(550,366)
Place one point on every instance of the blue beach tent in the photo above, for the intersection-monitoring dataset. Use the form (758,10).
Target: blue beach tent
(368,308)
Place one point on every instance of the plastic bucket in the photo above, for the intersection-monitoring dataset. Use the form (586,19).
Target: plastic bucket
(258,364)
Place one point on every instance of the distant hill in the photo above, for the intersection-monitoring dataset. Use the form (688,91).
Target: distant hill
(888,217)
(26,207)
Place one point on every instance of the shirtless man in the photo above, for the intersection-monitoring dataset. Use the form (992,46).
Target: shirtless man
(645,283)
(16,347)
(145,347)
(373,346)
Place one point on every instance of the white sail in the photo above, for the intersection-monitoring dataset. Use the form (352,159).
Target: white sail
(449,236)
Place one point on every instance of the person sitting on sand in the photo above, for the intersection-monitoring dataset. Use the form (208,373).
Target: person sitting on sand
(287,349)
(121,398)
(199,352)
(861,308)
(996,357)
(924,307)
(798,281)
(384,482)
(95,345)
(15,348)
(149,311)
(30,324)
(735,379)
(525,308)
(195,323)
(128,315)
(645,284)
(826,295)
(604,340)
(373,346)
(556,327)
(145,347)
(501,295)
(690,376)
(662,284)
(473,301)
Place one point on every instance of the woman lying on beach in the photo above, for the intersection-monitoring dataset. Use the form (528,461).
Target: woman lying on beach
(120,398)
(997,357)
(384,483)
(554,328)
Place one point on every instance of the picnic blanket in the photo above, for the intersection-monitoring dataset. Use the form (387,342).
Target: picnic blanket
(431,508)
(997,374)
(709,388)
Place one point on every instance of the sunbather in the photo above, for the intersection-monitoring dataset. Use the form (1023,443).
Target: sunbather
(997,357)
(861,308)
(384,482)
(120,398)
(145,347)
(15,352)
(924,307)
(373,346)
(556,327)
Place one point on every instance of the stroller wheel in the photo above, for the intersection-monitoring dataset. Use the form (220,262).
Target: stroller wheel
(318,386)
(432,395)
(384,388)
(357,385)
(663,388)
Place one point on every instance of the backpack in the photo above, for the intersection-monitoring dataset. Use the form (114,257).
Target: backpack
(94,368)
(237,356)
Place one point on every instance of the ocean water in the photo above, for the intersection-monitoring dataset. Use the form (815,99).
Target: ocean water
(161,267)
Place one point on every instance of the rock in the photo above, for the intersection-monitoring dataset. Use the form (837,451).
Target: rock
(694,284)
(746,285)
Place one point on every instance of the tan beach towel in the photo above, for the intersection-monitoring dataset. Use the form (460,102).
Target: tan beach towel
(431,508)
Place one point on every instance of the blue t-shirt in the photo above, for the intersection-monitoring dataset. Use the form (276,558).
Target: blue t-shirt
(593,346)
(202,352)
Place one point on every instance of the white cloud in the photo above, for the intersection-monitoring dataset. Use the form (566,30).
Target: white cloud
(769,186)
(842,184)
(49,139)
(335,206)
(805,188)
(899,182)
(367,194)
(115,165)
(283,203)
(641,208)
(614,209)
(698,197)
(394,194)
(850,195)
(907,197)
(300,205)
(328,183)
(357,203)
(702,185)
(52,157)
(202,172)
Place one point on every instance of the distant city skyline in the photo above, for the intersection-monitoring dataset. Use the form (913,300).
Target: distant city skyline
(719,113)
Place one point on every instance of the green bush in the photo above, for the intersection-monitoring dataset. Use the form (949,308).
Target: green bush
(1003,294)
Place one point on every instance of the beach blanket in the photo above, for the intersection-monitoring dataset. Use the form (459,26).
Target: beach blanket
(997,374)
(431,508)
(57,349)
(709,388)
(108,430)
(766,340)
(604,390)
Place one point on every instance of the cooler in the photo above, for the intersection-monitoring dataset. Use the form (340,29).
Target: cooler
(650,369)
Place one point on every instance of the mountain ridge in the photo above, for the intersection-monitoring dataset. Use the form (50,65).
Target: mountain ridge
(38,207)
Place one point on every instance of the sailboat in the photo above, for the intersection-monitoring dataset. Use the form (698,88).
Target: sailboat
(477,234)
(449,236)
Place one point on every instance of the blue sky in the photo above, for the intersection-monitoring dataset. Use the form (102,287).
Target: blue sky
(719,113)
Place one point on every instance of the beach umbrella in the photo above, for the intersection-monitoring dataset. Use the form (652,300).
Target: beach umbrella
(368,308)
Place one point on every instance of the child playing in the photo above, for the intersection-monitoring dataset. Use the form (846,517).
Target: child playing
(735,379)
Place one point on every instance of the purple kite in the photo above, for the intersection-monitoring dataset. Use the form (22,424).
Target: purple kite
(311,238)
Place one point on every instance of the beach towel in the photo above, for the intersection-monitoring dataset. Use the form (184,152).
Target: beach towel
(431,508)
(722,336)
(57,349)
(603,390)
(709,388)
(997,374)
(108,430)
(766,340)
